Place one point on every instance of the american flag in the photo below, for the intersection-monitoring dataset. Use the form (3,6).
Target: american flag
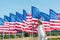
(55,24)
(26,22)
(46,21)
(34,21)
(7,28)
(36,14)
(54,20)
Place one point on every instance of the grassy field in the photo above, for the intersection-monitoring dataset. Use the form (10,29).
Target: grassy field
(28,38)
(18,36)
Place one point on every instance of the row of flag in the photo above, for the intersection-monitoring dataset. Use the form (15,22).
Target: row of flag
(26,22)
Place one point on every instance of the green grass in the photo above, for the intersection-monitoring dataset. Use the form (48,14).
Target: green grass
(54,39)
(18,35)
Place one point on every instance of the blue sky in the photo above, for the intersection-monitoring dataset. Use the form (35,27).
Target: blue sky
(11,6)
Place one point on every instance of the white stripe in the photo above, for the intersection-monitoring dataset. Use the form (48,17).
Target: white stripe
(29,25)
(35,22)
(1,30)
(12,28)
(19,25)
(11,22)
(47,24)
(29,20)
(54,23)
(24,24)
(54,20)
(10,31)
(28,16)
(34,19)
(25,27)
(11,25)
(55,26)
(4,28)
(46,27)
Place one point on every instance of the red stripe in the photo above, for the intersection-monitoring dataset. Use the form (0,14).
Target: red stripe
(45,22)
(28,18)
(55,24)
(28,14)
(34,20)
(46,26)
(54,21)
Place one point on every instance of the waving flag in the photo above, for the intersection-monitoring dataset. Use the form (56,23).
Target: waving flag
(19,21)
(8,26)
(6,21)
(59,16)
(25,23)
(1,21)
(12,18)
(44,16)
(19,17)
(46,21)
(12,21)
(6,18)
(35,12)
(24,15)
(35,15)
(54,21)
(5,28)
(34,18)
(29,20)
(53,15)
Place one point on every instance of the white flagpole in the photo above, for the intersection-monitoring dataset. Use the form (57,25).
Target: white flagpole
(22,35)
(15,36)
(3,34)
(32,31)
(30,36)
(50,35)
(38,33)
(9,35)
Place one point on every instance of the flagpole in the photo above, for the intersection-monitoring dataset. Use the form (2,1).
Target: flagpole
(15,36)
(30,36)
(32,31)
(3,34)
(9,35)
(22,35)
(50,35)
